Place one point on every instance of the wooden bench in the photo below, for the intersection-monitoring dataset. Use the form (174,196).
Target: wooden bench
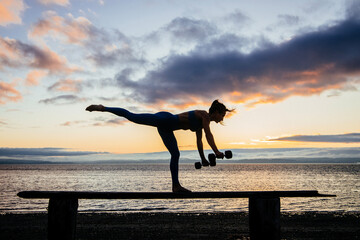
(264,207)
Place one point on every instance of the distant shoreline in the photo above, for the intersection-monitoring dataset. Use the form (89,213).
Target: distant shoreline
(191,161)
(240,155)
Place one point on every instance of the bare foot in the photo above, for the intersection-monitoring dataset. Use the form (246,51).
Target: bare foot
(180,189)
(99,108)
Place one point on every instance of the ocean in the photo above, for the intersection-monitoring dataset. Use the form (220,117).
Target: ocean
(340,179)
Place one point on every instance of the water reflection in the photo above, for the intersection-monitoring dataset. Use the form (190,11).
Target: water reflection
(340,179)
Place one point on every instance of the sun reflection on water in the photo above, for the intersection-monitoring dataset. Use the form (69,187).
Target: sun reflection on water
(340,179)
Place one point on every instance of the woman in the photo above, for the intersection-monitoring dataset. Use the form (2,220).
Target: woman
(167,123)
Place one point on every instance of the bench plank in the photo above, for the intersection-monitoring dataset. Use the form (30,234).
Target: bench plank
(264,207)
(167,195)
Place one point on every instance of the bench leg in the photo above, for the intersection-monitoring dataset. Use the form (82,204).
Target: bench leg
(62,218)
(264,218)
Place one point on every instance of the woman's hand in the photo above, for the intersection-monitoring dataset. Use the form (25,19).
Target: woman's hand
(219,154)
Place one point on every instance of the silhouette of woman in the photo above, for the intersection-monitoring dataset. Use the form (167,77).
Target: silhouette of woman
(166,123)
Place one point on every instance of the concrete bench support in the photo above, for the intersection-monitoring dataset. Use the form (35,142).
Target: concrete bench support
(264,207)
(264,218)
(62,218)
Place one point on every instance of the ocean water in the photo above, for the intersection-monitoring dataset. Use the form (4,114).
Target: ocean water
(340,179)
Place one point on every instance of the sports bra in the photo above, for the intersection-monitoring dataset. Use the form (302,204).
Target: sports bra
(195,124)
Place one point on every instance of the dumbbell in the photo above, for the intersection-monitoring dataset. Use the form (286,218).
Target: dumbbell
(228,154)
(198,165)
(212,159)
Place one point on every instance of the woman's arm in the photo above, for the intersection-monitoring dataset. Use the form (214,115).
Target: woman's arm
(209,136)
(199,145)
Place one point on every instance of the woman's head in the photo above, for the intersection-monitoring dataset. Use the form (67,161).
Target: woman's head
(217,106)
(218,110)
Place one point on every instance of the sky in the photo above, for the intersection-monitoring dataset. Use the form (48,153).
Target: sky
(291,69)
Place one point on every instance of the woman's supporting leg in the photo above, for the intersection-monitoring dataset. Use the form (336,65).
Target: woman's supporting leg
(170,142)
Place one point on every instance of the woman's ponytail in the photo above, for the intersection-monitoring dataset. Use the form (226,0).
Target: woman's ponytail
(217,106)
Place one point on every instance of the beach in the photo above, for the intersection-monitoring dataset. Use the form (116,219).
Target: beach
(301,218)
(165,225)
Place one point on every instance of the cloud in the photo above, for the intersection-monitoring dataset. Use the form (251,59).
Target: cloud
(110,122)
(63,100)
(41,60)
(335,152)
(305,65)
(16,54)
(299,155)
(10,12)
(104,48)
(55,2)
(70,30)
(109,48)
(237,17)
(66,85)
(290,20)
(185,29)
(47,59)
(224,43)
(341,138)
(71,123)
(33,77)
(109,55)
(42,152)
(243,155)
(353,9)
(9,93)
(235,21)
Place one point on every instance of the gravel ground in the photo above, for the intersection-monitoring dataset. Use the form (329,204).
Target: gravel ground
(234,225)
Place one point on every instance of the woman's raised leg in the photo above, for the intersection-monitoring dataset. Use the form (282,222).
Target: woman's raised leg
(142,118)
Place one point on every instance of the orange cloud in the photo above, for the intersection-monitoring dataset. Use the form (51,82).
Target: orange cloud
(41,60)
(50,60)
(16,54)
(67,85)
(69,123)
(71,30)
(276,88)
(9,55)
(34,77)
(10,11)
(9,93)
(55,2)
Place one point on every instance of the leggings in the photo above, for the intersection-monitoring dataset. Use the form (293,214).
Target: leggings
(165,123)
